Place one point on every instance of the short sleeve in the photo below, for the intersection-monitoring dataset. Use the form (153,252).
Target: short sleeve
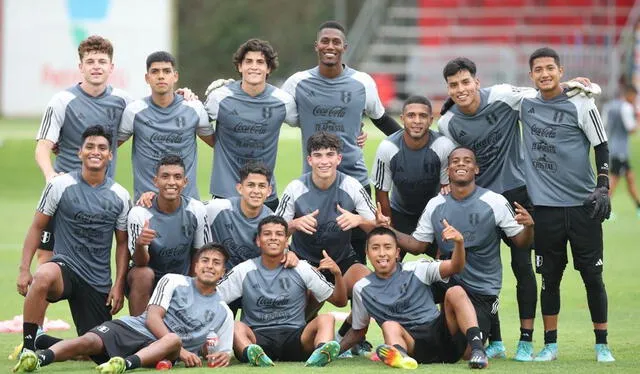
(54,116)
(315,281)
(591,123)
(359,314)
(381,171)
(163,292)
(135,222)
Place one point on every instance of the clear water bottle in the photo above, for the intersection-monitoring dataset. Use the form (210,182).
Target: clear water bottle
(212,347)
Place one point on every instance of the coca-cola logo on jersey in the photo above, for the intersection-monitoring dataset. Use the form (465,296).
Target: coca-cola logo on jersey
(173,138)
(329,111)
(545,132)
(280,300)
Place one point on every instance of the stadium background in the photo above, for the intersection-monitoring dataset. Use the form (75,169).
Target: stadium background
(402,43)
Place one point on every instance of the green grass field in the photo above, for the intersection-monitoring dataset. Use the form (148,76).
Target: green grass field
(21,184)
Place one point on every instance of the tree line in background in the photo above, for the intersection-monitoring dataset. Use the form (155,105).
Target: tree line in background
(209,32)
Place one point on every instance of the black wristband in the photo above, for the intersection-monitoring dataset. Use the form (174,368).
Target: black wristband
(603,181)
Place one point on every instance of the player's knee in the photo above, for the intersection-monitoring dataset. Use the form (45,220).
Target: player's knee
(592,280)
(45,276)
(326,319)
(390,327)
(173,341)
(91,342)
(454,295)
(141,277)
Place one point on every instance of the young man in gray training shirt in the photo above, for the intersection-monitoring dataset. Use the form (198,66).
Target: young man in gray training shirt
(164,123)
(180,316)
(570,201)
(87,207)
(273,324)
(164,236)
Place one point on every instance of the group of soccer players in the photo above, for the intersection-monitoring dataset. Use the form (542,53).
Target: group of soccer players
(186,266)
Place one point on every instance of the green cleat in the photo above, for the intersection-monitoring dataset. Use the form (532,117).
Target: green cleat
(15,354)
(392,356)
(257,357)
(324,354)
(603,354)
(115,365)
(524,352)
(496,350)
(27,362)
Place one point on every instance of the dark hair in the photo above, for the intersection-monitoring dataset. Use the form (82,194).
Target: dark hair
(160,56)
(96,130)
(170,159)
(380,230)
(417,99)
(332,25)
(629,88)
(211,246)
(323,140)
(544,52)
(95,43)
(254,167)
(458,148)
(257,45)
(459,64)
(272,219)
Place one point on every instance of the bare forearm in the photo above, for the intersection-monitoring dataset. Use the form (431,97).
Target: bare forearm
(156,325)
(524,238)
(351,337)
(209,139)
(339,296)
(367,225)
(140,256)
(458,257)
(122,262)
(43,158)
(382,197)
(31,243)
(410,244)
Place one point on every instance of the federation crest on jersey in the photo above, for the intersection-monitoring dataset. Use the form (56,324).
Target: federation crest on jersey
(266,112)
(285,283)
(46,237)
(474,219)
(111,114)
(346,97)
(180,122)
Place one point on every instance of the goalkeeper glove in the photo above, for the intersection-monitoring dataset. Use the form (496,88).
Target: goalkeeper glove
(217,84)
(574,88)
(599,199)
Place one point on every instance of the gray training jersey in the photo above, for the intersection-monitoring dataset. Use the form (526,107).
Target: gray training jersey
(160,131)
(405,297)
(71,112)
(247,129)
(493,135)
(302,197)
(415,175)
(273,299)
(336,105)
(479,218)
(188,313)
(619,119)
(235,231)
(85,218)
(178,234)
(557,135)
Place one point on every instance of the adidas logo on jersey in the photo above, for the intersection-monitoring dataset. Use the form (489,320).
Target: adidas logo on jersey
(531,111)
(599,262)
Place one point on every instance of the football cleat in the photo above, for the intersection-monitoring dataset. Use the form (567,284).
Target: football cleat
(324,354)
(115,365)
(524,352)
(496,349)
(479,359)
(257,357)
(392,356)
(548,353)
(603,354)
(27,362)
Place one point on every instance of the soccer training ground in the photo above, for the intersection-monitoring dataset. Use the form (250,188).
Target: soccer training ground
(21,183)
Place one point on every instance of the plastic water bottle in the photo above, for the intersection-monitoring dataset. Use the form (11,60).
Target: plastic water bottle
(212,347)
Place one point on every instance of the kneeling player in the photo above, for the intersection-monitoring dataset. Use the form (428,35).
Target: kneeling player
(181,314)
(399,298)
(273,302)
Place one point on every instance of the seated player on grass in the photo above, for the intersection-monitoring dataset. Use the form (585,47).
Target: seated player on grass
(273,325)
(181,314)
(398,296)
(163,236)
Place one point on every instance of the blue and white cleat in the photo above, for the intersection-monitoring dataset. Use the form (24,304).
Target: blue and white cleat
(548,353)
(524,352)
(496,349)
(603,354)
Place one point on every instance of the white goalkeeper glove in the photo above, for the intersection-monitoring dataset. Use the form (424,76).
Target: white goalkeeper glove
(574,88)
(217,84)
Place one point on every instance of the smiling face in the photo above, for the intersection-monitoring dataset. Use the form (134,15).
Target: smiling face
(253,68)
(324,162)
(272,239)
(170,181)
(209,267)
(545,74)
(95,67)
(161,77)
(95,153)
(330,46)
(464,89)
(462,167)
(254,190)
(416,119)
(383,251)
